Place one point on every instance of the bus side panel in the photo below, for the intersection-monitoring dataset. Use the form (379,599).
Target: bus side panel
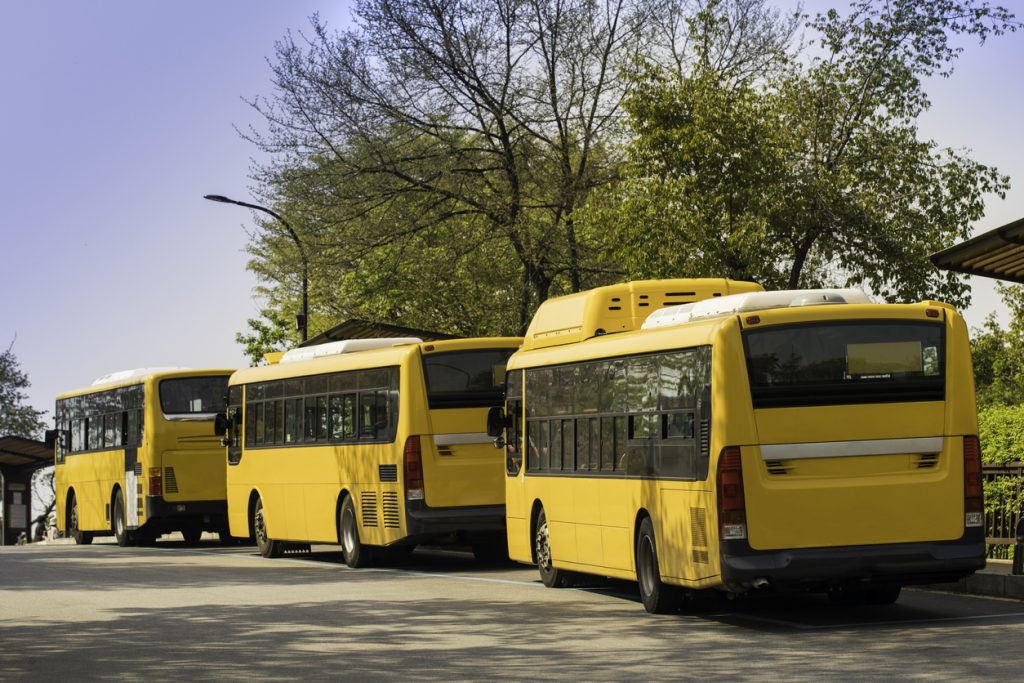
(619,499)
(683,534)
(555,494)
(320,488)
(93,476)
(60,488)
(586,495)
(961,409)
(238,504)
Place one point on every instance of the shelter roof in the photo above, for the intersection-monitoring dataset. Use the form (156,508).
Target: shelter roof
(997,253)
(17,451)
(361,329)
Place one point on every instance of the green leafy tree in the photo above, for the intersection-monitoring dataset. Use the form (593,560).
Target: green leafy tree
(998,353)
(268,333)
(17,418)
(814,173)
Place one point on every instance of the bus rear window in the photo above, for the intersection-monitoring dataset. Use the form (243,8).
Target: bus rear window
(466,379)
(193,395)
(844,363)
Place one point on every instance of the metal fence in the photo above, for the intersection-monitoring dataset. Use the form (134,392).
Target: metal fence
(1004,493)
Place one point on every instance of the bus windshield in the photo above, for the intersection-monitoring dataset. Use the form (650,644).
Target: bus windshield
(466,379)
(845,362)
(193,395)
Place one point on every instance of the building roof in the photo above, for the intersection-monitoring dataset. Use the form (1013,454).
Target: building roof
(997,253)
(361,329)
(17,451)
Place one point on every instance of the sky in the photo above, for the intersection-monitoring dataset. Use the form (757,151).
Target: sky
(116,117)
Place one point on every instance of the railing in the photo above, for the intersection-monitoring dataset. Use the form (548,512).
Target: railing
(1004,507)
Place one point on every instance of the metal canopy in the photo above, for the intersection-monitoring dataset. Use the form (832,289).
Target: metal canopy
(361,329)
(19,452)
(998,254)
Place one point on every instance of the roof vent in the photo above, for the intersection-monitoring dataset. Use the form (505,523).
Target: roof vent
(344,346)
(125,375)
(752,301)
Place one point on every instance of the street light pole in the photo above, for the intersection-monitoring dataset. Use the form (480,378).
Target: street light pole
(304,316)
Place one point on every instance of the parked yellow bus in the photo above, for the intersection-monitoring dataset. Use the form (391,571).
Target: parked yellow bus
(744,441)
(370,443)
(135,457)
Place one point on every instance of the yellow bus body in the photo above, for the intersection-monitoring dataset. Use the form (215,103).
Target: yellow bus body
(816,517)
(302,485)
(171,477)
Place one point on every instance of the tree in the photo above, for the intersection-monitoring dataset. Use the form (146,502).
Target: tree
(435,157)
(812,174)
(17,418)
(998,354)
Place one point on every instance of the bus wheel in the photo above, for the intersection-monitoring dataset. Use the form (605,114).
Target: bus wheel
(267,546)
(121,534)
(883,594)
(658,598)
(81,537)
(192,535)
(549,575)
(356,554)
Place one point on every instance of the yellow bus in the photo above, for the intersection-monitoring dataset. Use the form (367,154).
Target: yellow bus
(134,456)
(743,441)
(370,443)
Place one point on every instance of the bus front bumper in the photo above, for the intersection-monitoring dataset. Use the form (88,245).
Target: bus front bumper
(813,568)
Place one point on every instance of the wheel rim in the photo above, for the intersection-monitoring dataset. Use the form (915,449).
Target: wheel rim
(348,530)
(261,528)
(646,565)
(543,547)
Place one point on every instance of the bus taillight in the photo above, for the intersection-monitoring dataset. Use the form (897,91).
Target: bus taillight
(156,482)
(974,499)
(413,459)
(732,510)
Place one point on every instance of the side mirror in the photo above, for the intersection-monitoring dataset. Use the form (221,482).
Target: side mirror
(496,421)
(221,424)
(50,438)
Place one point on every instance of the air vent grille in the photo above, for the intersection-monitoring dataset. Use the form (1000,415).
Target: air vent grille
(368,504)
(927,460)
(138,469)
(388,473)
(705,439)
(699,527)
(392,518)
(700,556)
(777,467)
(445,450)
(170,483)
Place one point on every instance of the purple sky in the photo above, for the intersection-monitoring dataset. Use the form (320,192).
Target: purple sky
(116,117)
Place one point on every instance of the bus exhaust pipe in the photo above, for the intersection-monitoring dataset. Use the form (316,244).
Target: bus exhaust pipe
(759,583)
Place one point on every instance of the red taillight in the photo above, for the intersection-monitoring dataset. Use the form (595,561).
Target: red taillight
(974,497)
(413,458)
(732,509)
(156,482)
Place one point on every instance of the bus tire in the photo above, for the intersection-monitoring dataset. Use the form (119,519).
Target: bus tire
(266,545)
(192,535)
(658,598)
(81,537)
(550,576)
(117,521)
(883,594)
(357,555)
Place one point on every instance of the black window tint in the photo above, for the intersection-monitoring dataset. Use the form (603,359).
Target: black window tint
(95,433)
(465,379)
(310,419)
(192,395)
(250,424)
(270,420)
(292,420)
(260,426)
(321,409)
(844,363)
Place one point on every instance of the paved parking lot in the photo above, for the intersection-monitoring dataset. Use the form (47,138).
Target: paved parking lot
(213,613)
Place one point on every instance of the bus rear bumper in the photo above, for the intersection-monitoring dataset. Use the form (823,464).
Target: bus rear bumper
(815,568)
(425,522)
(209,514)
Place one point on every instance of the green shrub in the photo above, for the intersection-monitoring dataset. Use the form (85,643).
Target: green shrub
(1001,430)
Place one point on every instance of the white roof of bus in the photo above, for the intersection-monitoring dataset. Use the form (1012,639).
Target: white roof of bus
(751,301)
(344,346)
(124,375)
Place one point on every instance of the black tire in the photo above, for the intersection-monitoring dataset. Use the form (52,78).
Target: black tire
(490,550)
(550,576)
(658,598)
(357,555)
(118,522)
(266,545)
(81,537)
(192,535)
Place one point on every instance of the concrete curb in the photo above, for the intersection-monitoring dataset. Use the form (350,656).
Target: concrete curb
(994,581)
